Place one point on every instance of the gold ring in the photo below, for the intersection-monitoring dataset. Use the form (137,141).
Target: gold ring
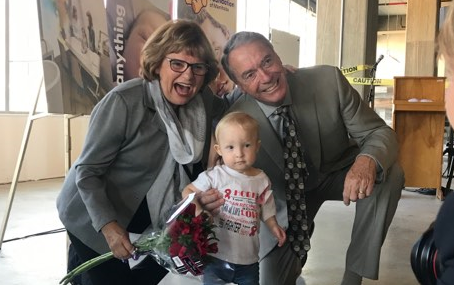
(361,192)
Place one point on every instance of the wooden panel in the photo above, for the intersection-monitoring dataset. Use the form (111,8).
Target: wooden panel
(347,35)
(420,136)
(417,59)
(419,87)
(422,21)
(403,105)
(328,32)
(419,127)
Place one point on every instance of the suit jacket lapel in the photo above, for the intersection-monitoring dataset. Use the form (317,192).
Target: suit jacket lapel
(271,144)
(304,109)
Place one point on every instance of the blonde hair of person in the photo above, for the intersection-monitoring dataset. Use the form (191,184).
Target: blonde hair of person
(177,36)
(244,120)
(446,39)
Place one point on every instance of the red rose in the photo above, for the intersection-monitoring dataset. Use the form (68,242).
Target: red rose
(186,236)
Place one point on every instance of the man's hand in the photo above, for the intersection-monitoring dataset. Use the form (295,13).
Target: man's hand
(210,201)
(360,179)
(118,240)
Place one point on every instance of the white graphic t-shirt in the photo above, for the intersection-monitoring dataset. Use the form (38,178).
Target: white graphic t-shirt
(248,200)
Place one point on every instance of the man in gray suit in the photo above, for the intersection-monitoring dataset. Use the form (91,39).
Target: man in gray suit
(351,152)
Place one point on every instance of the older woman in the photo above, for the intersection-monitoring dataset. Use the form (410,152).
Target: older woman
(146,138)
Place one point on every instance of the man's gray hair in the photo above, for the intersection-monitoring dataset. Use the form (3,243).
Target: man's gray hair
(237,40)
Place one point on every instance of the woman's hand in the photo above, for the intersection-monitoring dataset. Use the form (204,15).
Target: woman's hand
(210,201)
(118,240)
(290,68)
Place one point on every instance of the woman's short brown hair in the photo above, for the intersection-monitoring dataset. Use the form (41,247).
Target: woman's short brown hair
(173,37)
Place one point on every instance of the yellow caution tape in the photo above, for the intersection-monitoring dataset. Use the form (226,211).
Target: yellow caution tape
(367,81)
(353,69)
(364,80)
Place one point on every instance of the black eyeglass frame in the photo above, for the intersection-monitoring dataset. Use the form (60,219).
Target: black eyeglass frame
(194,66)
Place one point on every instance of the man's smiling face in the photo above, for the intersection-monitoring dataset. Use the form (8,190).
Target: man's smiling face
(259,72)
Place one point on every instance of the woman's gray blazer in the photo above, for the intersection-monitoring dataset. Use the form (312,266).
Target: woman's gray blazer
(123,152)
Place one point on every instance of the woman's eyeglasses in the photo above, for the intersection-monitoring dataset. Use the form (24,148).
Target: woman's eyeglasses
(180,66)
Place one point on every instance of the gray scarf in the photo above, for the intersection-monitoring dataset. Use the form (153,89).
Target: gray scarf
(186,134)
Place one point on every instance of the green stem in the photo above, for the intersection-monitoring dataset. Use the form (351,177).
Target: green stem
(86,266)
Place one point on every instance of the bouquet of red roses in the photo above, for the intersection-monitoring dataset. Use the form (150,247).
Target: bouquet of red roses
(181,247)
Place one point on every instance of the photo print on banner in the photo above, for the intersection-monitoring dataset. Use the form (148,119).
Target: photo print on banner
(217,18)
(75,48)
(89,48)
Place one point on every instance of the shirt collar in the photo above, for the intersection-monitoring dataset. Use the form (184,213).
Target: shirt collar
(268,110)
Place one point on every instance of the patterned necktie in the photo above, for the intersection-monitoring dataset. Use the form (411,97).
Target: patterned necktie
(295,174)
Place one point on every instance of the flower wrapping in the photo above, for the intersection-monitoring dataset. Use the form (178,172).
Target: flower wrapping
(181,247)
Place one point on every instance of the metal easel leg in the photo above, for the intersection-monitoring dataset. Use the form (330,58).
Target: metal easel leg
(20,159)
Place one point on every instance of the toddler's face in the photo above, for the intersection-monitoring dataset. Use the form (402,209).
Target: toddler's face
(238,147)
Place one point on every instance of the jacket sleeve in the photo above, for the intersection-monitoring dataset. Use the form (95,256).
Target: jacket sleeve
(444,240)
(373,136)
(104,139)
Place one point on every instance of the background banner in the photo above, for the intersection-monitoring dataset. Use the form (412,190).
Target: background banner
(130,23)
(75,48)
(89,48)
(217,18)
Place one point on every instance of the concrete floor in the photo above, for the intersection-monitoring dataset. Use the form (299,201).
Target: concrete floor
(40,260)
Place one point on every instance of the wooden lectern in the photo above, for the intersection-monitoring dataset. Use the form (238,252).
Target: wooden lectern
(419,121)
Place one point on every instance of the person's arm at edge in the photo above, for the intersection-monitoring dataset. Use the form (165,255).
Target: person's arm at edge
(277,230)
(443,236)
(376,139)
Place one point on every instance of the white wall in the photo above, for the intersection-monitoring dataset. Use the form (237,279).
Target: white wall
(284,15)
(45,153)
(392,46)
